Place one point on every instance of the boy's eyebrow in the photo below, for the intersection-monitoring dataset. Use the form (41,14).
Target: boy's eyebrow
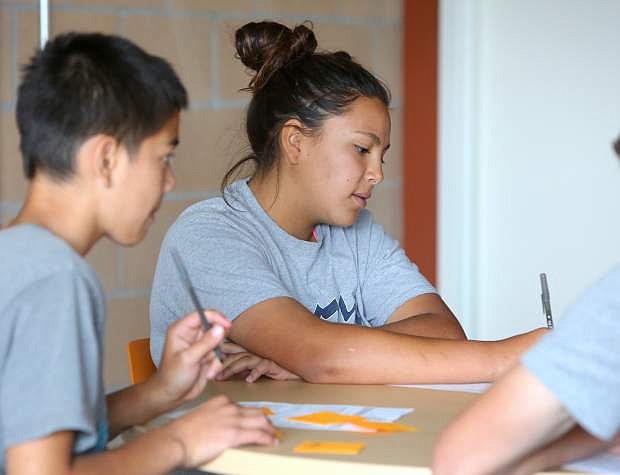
(174,142)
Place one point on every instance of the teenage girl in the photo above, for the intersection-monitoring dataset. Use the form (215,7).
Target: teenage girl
(314,286)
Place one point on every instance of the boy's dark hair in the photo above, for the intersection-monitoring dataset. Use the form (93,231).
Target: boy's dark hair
(616,146)
(293,81)
(80,85)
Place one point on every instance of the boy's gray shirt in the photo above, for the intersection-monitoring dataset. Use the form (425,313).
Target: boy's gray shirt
(237,257)
(51,342)
(579,361)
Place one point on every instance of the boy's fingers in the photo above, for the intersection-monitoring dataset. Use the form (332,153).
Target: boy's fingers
(207,343)
(216,318)
(257,421)
(255,436)
(214,367)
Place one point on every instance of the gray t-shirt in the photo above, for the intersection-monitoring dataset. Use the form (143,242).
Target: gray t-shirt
(579,361)
(238,257)
(51,342)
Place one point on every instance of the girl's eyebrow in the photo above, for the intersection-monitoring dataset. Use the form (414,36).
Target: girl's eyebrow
(373,137)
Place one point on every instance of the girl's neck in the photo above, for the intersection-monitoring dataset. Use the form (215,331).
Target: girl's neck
(283,205)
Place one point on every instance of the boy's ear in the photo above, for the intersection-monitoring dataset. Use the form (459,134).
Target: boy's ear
(99,156)
(292,140)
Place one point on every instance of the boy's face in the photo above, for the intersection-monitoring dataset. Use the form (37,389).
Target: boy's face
(141,183)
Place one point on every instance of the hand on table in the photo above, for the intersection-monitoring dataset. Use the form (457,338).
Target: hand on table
(217,425)
(511,349)
(239,360)
(188,360)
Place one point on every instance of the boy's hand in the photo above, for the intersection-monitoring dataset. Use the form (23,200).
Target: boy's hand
(217,425)
(188,360)
(239,360)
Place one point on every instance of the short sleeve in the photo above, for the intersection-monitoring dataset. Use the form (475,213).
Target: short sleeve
(390,278)
(579,360)
(228,270)
(51,377)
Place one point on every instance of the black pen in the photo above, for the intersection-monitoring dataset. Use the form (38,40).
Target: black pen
(187,283)
(546,300)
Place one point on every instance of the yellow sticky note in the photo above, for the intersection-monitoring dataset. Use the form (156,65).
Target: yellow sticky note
(329,447)
(386,426)
(327,418)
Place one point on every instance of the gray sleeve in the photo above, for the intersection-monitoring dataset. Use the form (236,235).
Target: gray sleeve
(390,278)
(230,273)
(51,379)
(579,361)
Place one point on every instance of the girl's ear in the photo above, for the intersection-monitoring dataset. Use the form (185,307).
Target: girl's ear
(292,140)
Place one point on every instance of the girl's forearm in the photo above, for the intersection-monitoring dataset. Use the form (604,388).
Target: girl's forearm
(369,356)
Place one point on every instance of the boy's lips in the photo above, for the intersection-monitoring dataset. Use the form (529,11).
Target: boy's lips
(362,198)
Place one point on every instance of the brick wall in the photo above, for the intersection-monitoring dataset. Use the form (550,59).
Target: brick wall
(196,37)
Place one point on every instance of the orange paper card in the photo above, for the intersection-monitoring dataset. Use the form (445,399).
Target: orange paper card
(329,447)
(267,411)
(386,426)
(327,418)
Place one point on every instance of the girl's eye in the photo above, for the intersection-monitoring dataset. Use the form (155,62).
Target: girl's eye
(360,149)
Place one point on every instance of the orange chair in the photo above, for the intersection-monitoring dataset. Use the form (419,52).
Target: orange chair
(141,365)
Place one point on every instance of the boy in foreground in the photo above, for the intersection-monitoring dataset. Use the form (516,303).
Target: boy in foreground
(98,119)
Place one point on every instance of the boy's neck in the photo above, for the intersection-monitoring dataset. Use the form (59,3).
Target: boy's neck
(63,210)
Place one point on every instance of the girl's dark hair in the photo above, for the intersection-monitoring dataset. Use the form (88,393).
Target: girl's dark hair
(293,81)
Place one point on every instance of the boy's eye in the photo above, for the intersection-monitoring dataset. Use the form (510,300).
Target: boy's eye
(360,149)
(167,159)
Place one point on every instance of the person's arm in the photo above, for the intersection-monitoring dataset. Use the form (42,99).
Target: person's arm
(516,417)
(283,331)
(575,444)
(194,439)
(187,363)
(425,315)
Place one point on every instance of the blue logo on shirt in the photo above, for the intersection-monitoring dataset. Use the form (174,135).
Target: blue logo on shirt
(326,312)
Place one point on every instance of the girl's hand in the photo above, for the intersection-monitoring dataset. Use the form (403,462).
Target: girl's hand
(188,361)
(239,360)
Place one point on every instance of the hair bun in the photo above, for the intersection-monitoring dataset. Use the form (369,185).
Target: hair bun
(267,46)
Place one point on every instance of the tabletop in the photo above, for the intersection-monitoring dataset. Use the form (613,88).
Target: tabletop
(383,453)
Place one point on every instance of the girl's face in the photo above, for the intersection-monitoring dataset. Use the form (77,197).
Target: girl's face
(344,162)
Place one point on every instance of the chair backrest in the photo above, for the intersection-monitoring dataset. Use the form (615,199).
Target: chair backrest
(141,365)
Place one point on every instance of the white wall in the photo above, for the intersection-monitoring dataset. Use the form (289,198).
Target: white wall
(529,105)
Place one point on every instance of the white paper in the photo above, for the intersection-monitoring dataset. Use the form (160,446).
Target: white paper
(466,388)
(282,411)
(599,463)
